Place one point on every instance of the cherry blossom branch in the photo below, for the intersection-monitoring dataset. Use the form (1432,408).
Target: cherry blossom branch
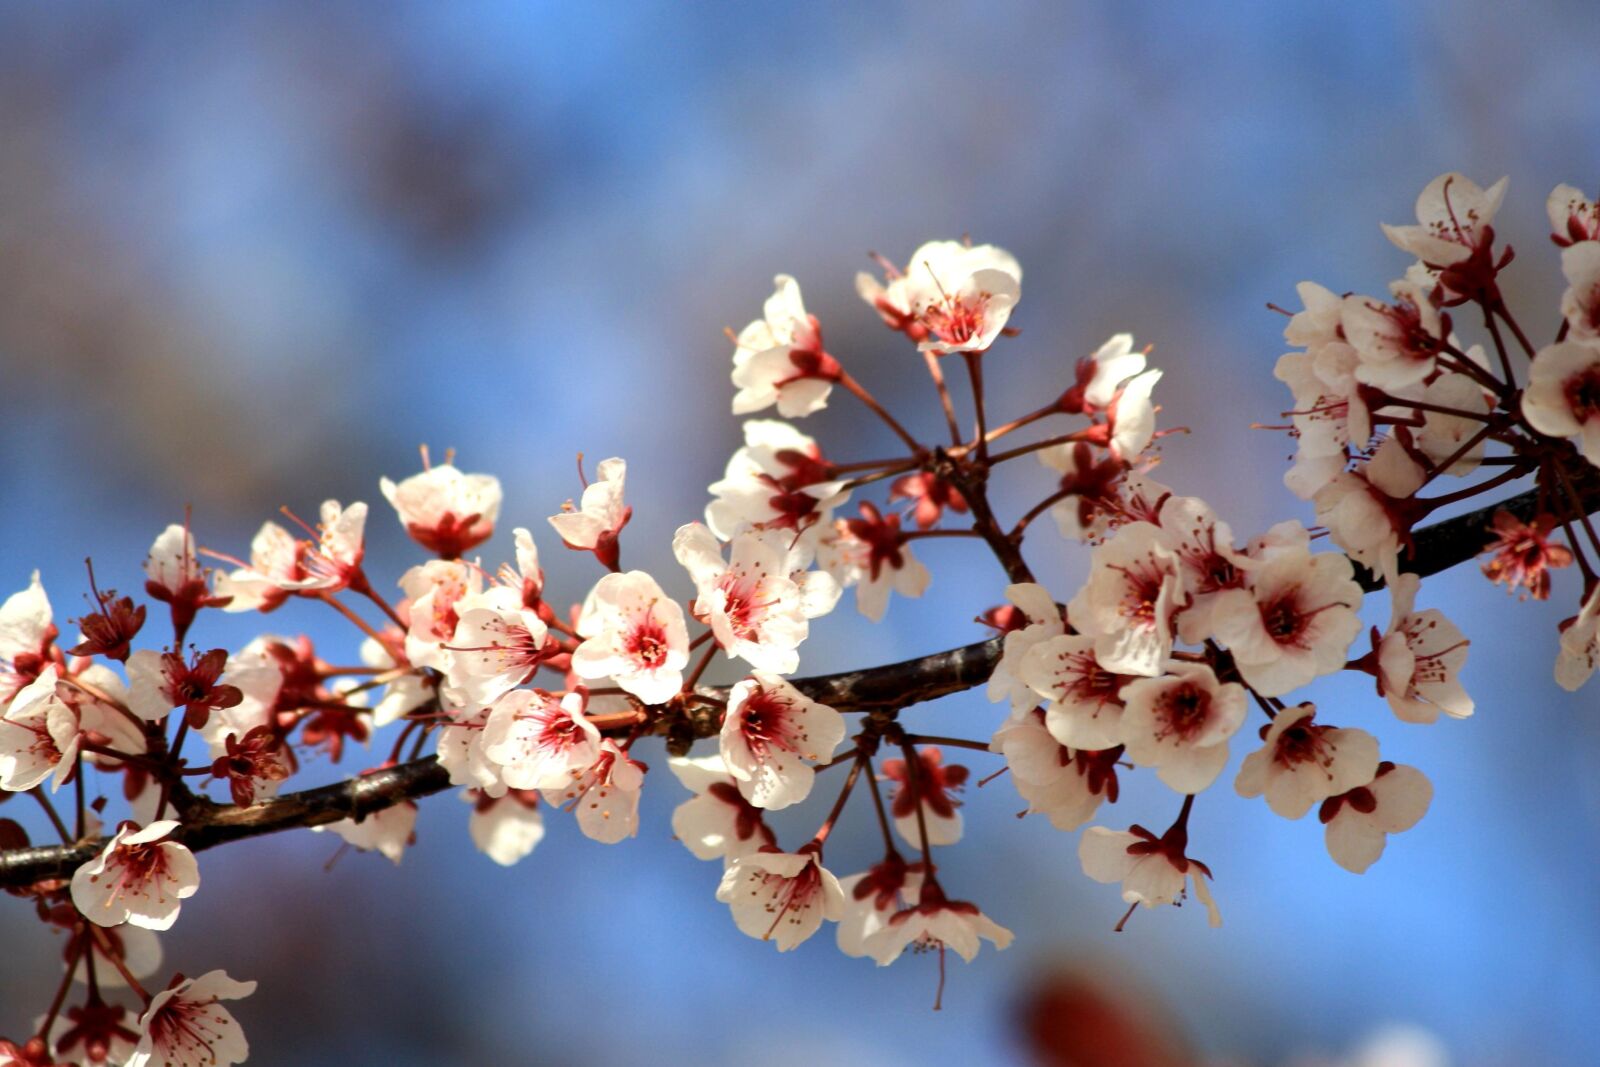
(874,689)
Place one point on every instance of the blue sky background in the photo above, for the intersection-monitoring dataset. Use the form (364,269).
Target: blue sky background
(253,255)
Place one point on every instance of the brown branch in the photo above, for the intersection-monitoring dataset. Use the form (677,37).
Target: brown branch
(897,685)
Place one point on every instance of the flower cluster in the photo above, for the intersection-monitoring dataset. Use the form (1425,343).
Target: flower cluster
(1179,633)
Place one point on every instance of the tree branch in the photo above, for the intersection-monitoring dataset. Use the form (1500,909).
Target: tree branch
(207,824)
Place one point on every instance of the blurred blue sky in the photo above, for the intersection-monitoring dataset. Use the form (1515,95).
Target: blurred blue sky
(253,255)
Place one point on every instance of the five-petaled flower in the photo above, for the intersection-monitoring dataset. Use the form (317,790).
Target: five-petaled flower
(444,510)
(187,1026)
(141,877)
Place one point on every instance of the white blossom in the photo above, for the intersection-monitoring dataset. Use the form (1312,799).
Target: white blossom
(1180,723)
(772,734)
(781,897)
(1453,215)
(779,358)
(186,1025)
(1420,657)
(141,877)
(444,510)
(1294,622)
(1358,822)
(1302,763)
(1044,621)
(634,634)
(1128,604)
(1151,872)
(717,822)
(1563,394)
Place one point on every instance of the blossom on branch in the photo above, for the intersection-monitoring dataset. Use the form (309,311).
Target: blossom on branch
(187,1026)
(444,510)
(779,358)
(141,877)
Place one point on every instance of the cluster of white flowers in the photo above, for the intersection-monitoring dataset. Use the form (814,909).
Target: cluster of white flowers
(1155,663)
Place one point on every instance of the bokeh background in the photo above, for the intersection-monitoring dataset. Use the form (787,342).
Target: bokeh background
(253,255)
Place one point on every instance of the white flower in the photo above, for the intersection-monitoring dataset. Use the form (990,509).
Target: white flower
(922,797)
(172,570)
(778,479)
(1580,646)
(771,735)
(1573,216)
(460,752)
(1318,323)
(1302,763)
(1454,217)
(498,644)
(1294,623)
(1330,415)
(389,831)
(1180,723)
(539,742)
(635,634)
(1044,621)
(600,516)
(1359,822)
(1128,604)
(1207,559)
(1360,510)
(781,897)
(1101,375)
(1153,871)
(1420,657)
(140,877)
(1581,302)
(276,569)
(870,554)
(39,737)
(186,1026)
(1085,702)
(26,633)
(779,358)
(1133,417)
(505,828)
(717,822)
(1064,785)
(752,605)
(961,295)
(1443,434)
(1398,342)
(606,796)
(1563,394)
(444,510)
(433,589)
(871,897)
(936,923)
(409,691)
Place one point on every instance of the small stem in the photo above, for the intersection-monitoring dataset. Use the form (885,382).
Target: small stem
(37,792)
(1499,345)
(1509,474)
(860,393)
(914,783)
(937,373)
(1516,329)
(877,803)
(952,742)
(975,375)
(700,668)
(172,767)
(344,609)
(838,805)
(1039,509)
(79,944)
(365,587)
(1037,446)
(919,534)
(110,953)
